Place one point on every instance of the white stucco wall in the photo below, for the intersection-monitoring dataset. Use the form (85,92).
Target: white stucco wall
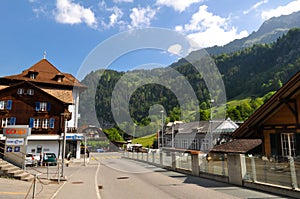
(47,146)
(74,109)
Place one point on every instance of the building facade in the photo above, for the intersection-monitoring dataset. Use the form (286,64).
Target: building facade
(46,100)
(276,123)
(201,135)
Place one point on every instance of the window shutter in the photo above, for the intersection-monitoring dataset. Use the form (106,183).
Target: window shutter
(12,121)
(9,104)
(37,106)
(52,121)
(31,121)
(48,106)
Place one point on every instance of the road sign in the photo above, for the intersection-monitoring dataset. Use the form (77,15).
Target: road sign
(17,149)
(9,149)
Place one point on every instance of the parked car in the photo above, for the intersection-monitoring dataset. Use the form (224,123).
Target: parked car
(101,150)
(30,160)
(49,159)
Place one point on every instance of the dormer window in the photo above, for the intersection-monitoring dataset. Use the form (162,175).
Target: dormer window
(59,77)
(32,74)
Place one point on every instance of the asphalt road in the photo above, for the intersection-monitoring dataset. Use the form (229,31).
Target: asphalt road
(108,176)
(123,178)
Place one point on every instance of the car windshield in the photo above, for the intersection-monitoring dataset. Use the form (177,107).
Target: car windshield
(50,155)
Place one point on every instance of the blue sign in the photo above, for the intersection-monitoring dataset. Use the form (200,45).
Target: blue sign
(9,149)
(74,137)
(17,149)
(14,141)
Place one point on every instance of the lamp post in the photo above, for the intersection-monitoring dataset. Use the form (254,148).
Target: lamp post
(162,128)
(173,125)
(65,117)
(134,126)
(210,125)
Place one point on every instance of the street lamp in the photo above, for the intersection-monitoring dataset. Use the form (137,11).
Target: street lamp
(65,117)
(162,128)
(173,125)
(134,125)
(210,124)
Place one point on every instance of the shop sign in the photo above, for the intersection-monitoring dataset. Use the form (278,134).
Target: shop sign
(16,132)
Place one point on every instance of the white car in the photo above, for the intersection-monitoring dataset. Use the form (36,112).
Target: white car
(31,160)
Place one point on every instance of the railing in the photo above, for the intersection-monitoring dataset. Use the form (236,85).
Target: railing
(272,171)
(275,176)
(182,161)
(215,167)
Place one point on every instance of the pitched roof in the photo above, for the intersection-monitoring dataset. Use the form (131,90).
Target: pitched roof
(237,146)
(224,126)
(46,72)
(289,90)
(64,96)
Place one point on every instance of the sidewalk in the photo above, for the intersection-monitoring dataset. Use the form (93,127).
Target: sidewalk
(47,183)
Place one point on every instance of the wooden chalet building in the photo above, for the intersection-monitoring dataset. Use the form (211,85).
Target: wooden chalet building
(200,135)
(43,98)
(277,122)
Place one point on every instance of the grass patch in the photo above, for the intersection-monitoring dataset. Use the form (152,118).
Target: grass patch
(146,141)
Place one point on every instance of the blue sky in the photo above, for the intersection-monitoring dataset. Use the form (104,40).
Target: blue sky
(68,30)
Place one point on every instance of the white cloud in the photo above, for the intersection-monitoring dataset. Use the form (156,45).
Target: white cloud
(141,17)
(291,7)
(207,29)
(178,5)
(255,6)
(175,49)
(114,18)
(68,12)
(114,15)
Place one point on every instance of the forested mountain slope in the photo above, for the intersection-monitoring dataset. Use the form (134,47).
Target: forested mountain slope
(249,73)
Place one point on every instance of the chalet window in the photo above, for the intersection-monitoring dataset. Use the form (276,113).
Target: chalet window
(20,91)
(42,106)
(8,121)
(45,123)
(195,144)
(30,92)
(6,105)
(205,144)
(288,144)
(59,79)
(36,123)
(184,143)
(32,76)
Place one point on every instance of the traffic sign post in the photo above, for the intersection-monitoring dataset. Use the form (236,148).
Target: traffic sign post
(16,143)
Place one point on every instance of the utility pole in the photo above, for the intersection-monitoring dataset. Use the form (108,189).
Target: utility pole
(162,128)
(65,115)
(210,125)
